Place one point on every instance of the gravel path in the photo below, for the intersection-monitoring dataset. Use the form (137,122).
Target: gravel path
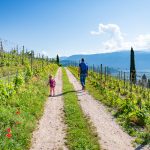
(50,132)
(111,136)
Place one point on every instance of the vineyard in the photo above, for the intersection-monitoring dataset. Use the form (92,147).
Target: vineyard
(130,104)
(74,75)
(23,94)
(23,91)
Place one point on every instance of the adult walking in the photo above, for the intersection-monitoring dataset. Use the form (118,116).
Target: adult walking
(83,72)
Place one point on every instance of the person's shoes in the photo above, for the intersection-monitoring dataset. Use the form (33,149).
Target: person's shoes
(83,88)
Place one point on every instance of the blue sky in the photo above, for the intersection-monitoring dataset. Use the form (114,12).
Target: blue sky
(67,27)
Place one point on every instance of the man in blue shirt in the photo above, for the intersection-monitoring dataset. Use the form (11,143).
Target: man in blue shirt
(83,73)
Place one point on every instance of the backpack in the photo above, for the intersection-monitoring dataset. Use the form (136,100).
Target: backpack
(83,68)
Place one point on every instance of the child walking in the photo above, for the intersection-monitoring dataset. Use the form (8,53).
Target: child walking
(52,84)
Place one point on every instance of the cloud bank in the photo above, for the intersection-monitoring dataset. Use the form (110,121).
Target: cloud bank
(117,41)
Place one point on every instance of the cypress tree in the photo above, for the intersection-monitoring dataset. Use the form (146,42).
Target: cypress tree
(57,59)
(1,47)
(148,84)
(132,67)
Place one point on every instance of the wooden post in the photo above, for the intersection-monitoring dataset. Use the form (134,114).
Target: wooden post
(42,61)
(22,55)
(124,81)
(101,70)
(105,73)
(8,58)
(93,68)
(31,55)
(121,75)
(17,50)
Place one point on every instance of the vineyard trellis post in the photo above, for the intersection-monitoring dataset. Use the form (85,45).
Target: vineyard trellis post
(93,68)
(42,61)
(121,75)
(17,50)
(101,71)
(105,73)
(31,60)
(22,55)
(11,57)
(124,81)
(8,58)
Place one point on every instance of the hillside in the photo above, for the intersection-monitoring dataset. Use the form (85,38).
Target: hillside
(115,59)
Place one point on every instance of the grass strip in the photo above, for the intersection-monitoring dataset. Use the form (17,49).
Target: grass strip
(80,133)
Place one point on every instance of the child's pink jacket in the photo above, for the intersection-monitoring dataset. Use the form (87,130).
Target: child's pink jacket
(52,83)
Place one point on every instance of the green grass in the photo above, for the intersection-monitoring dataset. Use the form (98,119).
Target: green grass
(80,134)
(29,101)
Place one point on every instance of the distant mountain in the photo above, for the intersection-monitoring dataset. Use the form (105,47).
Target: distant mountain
(63,58)
(115,59)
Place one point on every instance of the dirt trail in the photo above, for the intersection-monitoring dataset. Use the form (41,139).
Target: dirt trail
(50,133)
(111,136)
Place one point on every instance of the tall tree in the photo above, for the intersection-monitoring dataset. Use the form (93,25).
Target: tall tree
(132,67)
(57,59)
(148,84)
(1,47)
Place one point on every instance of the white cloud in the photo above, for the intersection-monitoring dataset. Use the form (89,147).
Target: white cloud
(117,41)
(44,53)
(112,29)
(142,42)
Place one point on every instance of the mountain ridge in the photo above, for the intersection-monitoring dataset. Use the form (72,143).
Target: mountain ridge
(118,60)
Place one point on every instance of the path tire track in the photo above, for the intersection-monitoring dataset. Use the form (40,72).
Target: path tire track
(50,132)
(111,135)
